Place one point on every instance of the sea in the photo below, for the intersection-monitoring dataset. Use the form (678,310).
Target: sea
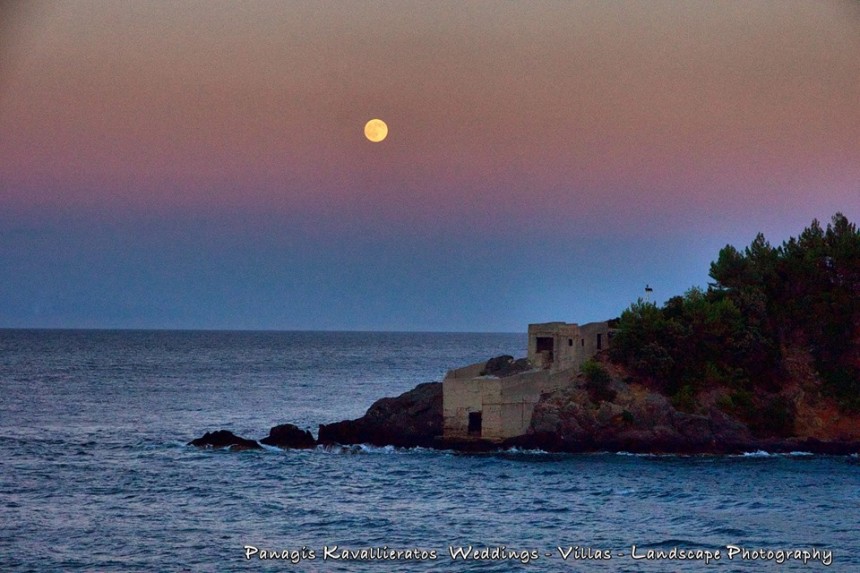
(96,474)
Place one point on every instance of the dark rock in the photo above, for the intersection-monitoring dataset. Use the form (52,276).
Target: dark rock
(411,419)
(496,364)
(635,420)
(224,439)
(505,365)
(726,429)
(289,436)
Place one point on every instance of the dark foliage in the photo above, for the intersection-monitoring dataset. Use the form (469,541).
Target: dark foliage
(597,381)
(805,292)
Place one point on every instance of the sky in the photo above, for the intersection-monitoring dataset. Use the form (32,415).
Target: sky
(202,164)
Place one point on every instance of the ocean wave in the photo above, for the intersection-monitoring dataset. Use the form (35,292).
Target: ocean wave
(362,449)
(272,449)
(524,451)
(766,454)
(755,454)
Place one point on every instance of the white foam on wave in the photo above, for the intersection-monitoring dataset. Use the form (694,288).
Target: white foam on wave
(522,451)
(765,454)
(272,449)
(362,449)
(637,455)
(756,454)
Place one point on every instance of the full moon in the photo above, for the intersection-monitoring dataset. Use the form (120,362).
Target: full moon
(375,130)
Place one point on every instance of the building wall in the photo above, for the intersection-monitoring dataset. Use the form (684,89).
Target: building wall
(572,344)
(518,397)
(565,338)
(463,392)
(507,404)
(590,333)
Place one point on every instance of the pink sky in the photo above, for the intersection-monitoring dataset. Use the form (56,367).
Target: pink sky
(547,119)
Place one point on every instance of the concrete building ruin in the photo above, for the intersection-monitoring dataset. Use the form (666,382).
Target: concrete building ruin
(561,346)
(477,405)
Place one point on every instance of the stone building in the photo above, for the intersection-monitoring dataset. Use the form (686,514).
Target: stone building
(560,346)
(477,405)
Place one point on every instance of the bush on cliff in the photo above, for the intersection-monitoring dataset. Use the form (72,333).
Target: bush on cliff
(597,381)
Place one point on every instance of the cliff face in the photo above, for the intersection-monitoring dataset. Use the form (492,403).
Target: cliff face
(816,415)
(635,419)
(630,416)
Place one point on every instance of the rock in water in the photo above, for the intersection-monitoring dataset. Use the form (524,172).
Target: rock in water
(289,436)
(224,439)
(412,419)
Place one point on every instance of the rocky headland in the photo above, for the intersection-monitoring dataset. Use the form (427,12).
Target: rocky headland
(617,414)
(767,358)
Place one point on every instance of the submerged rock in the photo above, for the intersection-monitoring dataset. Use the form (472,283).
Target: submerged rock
(289,436)
(409,420)
(224,439)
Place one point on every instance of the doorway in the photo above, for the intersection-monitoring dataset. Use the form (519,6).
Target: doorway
(474,423)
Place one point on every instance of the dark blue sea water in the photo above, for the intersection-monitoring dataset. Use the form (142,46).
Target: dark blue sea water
(95,474)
